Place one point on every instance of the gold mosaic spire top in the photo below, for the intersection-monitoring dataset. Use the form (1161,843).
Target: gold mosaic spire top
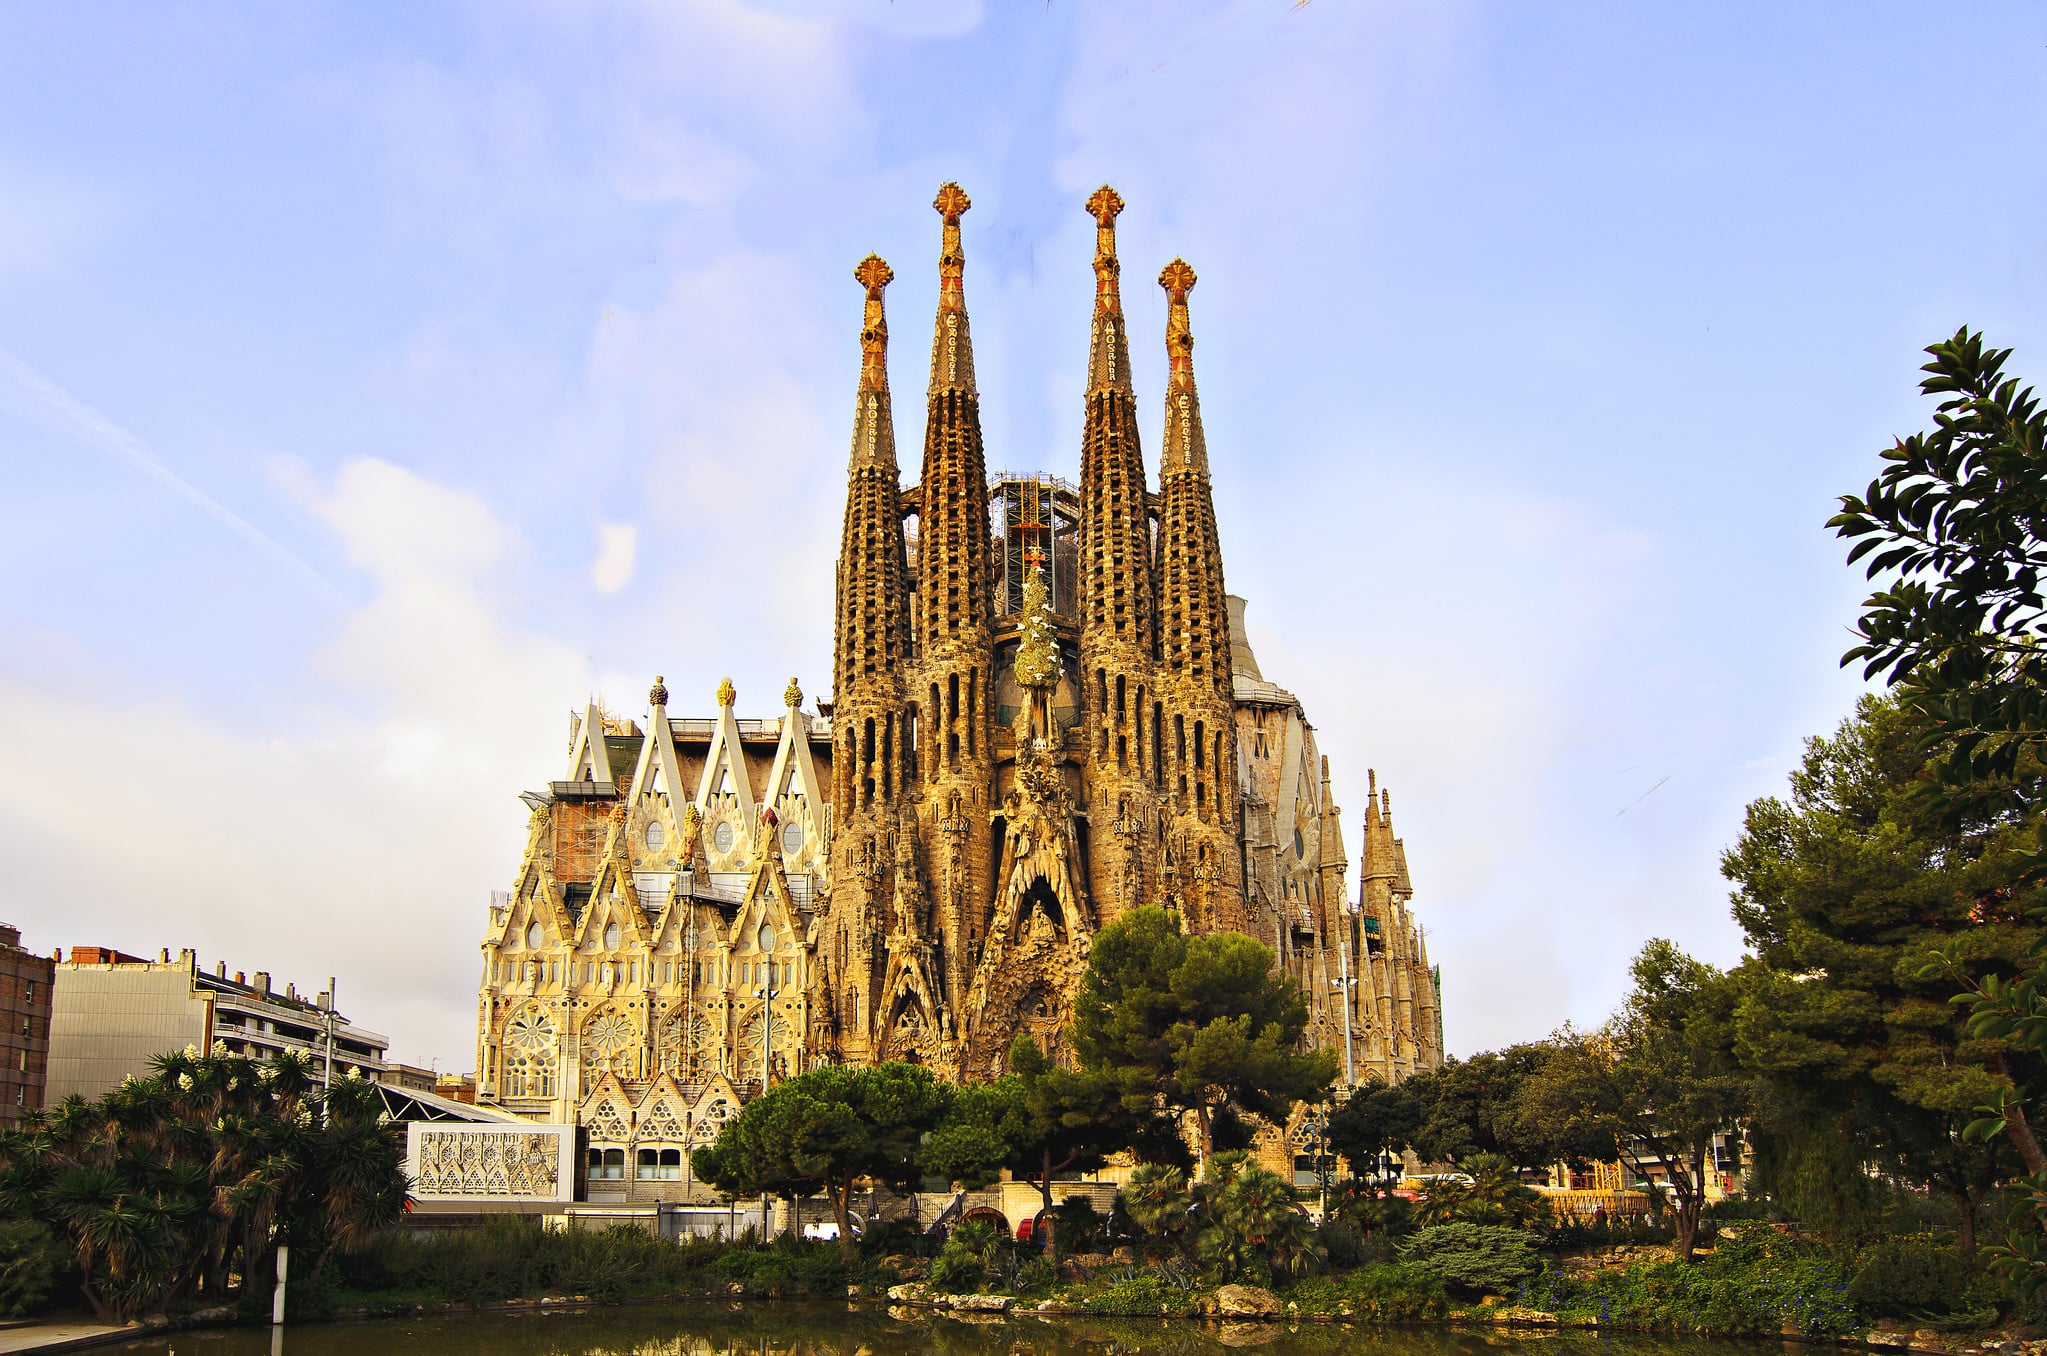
(874,274)
(1109,346)
(726,692)
(1185,448)
(792,695)
(874,425)
(952,345)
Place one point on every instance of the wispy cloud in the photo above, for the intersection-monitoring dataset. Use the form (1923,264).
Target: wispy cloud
(36,399)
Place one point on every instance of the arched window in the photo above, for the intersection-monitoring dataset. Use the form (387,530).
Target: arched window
(536,936)
(657,834)
(612,936)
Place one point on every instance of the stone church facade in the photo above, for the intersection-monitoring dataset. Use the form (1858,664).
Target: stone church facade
(1045,712)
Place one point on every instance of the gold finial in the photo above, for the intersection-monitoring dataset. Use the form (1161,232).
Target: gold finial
(792,695)
(658,694)
(1103,205)
(1178,279)
(873,273)
(952,201)
(726,692)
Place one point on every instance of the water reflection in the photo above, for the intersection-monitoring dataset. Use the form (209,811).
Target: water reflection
(800,1330)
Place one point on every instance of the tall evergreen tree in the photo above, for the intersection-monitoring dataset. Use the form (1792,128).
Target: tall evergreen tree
(1844,891)
(1205,1026)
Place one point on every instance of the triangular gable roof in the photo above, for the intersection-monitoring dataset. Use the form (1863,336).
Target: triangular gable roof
(589,757)
(658,793)
(794,772)
(726,756)
(607,1095)
(615,877)
(767,898)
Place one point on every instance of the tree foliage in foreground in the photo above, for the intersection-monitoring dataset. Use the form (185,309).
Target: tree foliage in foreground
(1038,1120)
(1205,1026)
(1955,527)
(1241,1222)
(167,1185)
(1659,1080)
(1843,892)
(1470,1106)
(824,1130)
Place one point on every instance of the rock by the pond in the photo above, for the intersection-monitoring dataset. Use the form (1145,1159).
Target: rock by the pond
(220,1314)
(1124,1256)
(1246,1301)
(978,1304)
(911,1292)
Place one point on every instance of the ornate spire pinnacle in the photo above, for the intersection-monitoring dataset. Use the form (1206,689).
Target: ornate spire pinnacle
(657,696)
(874,425)
(1186,448)
(1109,346)
(726,693)
(1037,653)
(952,347)
(873,273)
(792,695)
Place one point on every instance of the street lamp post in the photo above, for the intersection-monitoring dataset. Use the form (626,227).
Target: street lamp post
(1343,986)
(766,993)
(327,1075)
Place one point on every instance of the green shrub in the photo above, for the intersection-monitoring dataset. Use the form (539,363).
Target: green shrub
(1347,1246)
(387,1261)
(972,1253)
(1901,1277)
(1476,1259)
(30,1258)
(1757,1284)
(1385,1292)
(896,1237)
(1079,1224)
(1140,1297)
(1029,1276)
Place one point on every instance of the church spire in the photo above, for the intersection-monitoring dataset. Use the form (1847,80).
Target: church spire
(1194,617)
(1108,366)
(952,346)
(873,633)
(952,753)
(1126,725)
(1194,673)
(1185,447)
(874,430)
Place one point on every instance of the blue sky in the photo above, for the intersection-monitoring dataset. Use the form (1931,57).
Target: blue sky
(377,382)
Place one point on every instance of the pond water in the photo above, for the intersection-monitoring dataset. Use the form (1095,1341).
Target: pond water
(839,1330)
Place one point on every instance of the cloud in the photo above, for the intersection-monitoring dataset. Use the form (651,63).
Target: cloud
(360,837)
(617,546)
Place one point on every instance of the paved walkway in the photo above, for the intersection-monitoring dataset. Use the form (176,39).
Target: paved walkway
(62,1335)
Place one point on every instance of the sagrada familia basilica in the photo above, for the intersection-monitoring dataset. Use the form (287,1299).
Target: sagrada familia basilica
(1044,712)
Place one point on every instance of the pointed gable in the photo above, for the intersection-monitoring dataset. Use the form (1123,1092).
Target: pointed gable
(793,788)
(589,755)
